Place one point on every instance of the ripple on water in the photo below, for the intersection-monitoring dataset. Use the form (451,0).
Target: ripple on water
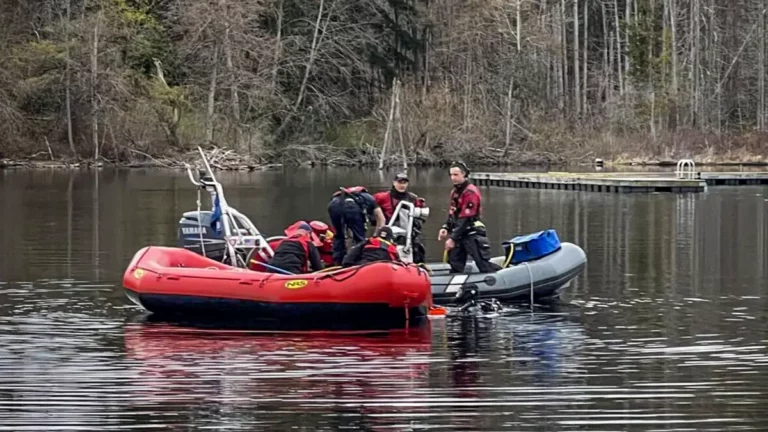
(74,356)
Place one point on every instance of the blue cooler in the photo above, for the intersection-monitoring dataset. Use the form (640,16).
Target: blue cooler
(532,246)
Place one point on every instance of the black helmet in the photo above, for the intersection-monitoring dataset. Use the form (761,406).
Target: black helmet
(384,233)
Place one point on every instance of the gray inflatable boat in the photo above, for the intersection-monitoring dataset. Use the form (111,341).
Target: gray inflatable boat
(540,281)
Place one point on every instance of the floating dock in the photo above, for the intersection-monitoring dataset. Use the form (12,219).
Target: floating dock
(617,182)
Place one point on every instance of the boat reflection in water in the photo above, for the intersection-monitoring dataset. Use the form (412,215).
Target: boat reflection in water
(272,368)
(536,348)
(371,379)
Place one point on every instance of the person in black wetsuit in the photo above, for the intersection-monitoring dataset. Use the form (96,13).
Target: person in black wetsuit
(297,254)
(351,208)
(377,248)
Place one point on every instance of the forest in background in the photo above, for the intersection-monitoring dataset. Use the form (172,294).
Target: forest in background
(312,80)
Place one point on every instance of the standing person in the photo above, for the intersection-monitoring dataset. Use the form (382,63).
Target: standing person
(465,231)
(297,253)
(351,208)
(388,201)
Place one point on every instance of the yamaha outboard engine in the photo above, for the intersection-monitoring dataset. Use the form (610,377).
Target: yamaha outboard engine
(191,230)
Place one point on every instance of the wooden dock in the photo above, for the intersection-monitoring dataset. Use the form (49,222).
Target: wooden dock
(618,182)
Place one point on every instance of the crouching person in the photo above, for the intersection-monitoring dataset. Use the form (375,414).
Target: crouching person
(297,254)
(377,248)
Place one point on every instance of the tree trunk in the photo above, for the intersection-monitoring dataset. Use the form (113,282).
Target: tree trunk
(672,9)
(761,72)
(425,83)
(388,130)
(559,64)
(564,53)
(519,25)
(468,91)
(653,113)
(618,47)
(694,72)
(311,60)
(627,20)
(712,51)
(576,65)
(584,57)
(400,124)
(235,99)
(212,97)
(316,38)
(278,45)
(607,57)
(68,84)
(94,83)
(171,127)
(509,118)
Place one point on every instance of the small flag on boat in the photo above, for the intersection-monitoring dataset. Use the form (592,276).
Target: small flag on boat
(216,217)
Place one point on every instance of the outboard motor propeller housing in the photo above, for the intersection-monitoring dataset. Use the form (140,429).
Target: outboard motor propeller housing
(191,226)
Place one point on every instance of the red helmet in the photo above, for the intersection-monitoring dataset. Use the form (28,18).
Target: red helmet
(319,227)
(321,230)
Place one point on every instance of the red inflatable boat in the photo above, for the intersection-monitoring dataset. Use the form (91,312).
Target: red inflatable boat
(176,281)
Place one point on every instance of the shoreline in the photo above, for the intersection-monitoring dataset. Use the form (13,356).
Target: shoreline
(179,165)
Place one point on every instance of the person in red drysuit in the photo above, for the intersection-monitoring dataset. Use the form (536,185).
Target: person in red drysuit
(324,241)
(297,253)
(388,201)
(377,248)
(465,232)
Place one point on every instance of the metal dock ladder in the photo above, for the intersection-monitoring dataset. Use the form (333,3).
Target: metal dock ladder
(686,168)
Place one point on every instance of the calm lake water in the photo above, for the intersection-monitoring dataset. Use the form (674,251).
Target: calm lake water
(667,328)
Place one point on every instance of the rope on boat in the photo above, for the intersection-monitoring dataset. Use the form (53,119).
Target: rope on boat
(530,274)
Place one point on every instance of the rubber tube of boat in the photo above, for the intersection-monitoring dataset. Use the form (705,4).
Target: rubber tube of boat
(278,269)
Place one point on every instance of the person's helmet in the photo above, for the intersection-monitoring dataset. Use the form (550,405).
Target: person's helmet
(298,225)
(384,233)
(301,227)
(321,230)
(319,227)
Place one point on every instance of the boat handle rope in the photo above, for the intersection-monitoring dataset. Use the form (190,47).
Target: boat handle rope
(530,275)
(511,252)
(353,272)
(266,279)
(329,269)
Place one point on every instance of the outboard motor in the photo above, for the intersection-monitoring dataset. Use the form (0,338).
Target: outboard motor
(195,234)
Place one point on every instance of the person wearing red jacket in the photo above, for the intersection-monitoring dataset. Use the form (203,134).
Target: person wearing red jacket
(465,232)
(324,241)
(388,201)
(377,248)
(297,253)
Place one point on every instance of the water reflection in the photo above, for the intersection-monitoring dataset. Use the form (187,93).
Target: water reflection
(269,373)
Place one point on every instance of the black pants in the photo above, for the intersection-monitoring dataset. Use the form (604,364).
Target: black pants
(479,248)
(419,253)
(345,214)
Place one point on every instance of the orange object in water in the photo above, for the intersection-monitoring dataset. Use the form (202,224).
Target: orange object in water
(176,281)
(437,311)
